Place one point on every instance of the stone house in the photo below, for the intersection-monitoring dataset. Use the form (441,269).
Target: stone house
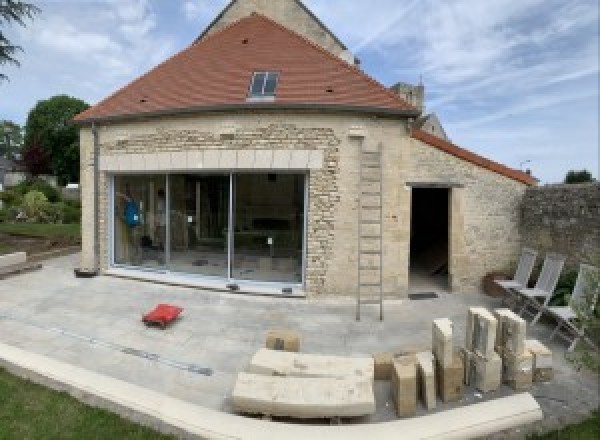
(262,159)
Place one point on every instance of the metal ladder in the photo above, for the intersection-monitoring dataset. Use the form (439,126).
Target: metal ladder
(370,221)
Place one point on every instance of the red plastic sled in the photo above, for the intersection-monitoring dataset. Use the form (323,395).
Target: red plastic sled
(162,315)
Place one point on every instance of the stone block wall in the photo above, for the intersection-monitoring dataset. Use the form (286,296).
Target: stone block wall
(563,219)
(485,210)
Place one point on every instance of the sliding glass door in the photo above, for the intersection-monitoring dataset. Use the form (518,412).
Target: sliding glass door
(269,225)
(237,227)
(140,221)
(199,219)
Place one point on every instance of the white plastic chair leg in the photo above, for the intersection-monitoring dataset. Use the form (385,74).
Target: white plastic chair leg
(537,318)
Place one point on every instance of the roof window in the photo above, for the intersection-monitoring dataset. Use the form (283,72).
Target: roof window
(264,84)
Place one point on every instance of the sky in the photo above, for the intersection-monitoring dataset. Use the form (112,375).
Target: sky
(513,80)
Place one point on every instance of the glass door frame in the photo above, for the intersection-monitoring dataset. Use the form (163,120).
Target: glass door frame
(110,239)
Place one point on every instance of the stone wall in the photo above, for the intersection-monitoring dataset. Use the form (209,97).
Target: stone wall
(488,238)
(484,205)
(563,219)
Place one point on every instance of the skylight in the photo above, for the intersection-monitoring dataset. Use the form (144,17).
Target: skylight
(263,84)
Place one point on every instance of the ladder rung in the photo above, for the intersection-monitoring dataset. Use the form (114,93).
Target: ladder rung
(369,284)
(370,268)
(371,179)
(370,206)
(370,236)
(370,222)
(371,193)
(370,301)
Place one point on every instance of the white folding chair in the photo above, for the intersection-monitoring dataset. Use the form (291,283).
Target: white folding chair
(522,275)
(538,297)
(588,283)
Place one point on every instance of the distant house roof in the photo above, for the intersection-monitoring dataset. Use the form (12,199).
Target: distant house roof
(469,156)
(215,74)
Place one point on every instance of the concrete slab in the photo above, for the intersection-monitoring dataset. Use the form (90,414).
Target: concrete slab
(281,363)
(302,397)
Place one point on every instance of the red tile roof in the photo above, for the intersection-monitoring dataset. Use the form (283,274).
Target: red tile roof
(469,156)
(216,72)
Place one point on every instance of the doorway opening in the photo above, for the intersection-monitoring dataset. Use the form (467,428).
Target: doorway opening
(429,238)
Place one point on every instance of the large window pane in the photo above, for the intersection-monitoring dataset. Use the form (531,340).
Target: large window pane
(268,227)
(140,220)
(199,214)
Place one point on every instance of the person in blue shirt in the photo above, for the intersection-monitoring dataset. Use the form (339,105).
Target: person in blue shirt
(131,216)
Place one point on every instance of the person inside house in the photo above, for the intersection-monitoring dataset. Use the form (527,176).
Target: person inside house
(131,219)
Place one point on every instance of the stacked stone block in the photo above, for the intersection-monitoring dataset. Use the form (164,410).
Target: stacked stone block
(426,378)
(483,366)
(449,364)
(542,360)
(404,385)
(517,362)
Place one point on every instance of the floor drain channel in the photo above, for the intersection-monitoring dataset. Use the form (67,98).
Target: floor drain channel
(186,366)
(423,295)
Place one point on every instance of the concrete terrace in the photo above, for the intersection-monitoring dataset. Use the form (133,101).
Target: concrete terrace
(221,331)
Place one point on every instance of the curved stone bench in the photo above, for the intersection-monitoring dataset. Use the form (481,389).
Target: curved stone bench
(175,416)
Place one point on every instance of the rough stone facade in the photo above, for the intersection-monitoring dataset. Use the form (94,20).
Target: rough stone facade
(288,13)
(563,219)
(484,207)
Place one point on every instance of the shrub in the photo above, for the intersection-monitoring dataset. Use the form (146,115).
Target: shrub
(34,205)
(587,353)
(11,198)
(71,214)
(52,194)
(52,213)
(4,215)
(564,288)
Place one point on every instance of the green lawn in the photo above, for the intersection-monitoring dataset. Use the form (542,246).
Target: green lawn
(42,230)
(30,412)
(588,429)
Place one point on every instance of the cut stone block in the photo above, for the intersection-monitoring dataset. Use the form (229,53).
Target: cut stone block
(517,371)
(481,332)
(486,373)
(542,360)
(13,259)
(283,363)
(302,397)
(450,380)
(283,339)
(467,359)
(510,333)
(404,385)
(426,378)
(383,365)
(443,348)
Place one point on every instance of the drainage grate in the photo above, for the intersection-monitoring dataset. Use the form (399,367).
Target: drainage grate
(422,295)
(186,366)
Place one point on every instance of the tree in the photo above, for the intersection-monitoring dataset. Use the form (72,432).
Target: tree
(582,176)
(13,11)
(49,123)
(11,139)
(35,159)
